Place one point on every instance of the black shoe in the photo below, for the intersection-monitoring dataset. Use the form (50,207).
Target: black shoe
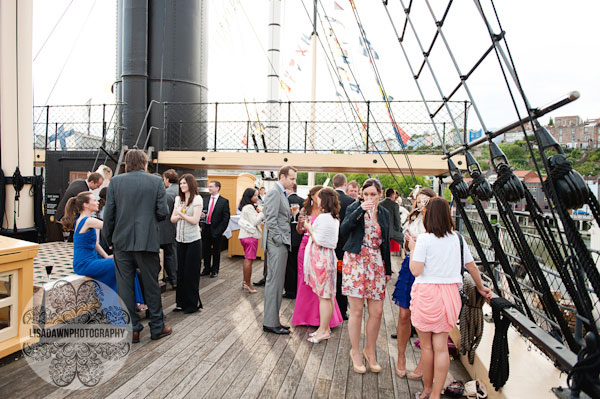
(284,327)
(344,316)
(205,272)
(289,295)
(394,336)
(259,283)
(173,286)
(213,275)
(178,309)
(276,330)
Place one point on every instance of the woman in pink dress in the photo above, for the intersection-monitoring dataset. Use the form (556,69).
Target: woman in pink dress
(320,263)
(306,308)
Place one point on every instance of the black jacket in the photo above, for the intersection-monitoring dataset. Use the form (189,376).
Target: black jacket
(396,225)
(296,238)
(220,216)
(345,201)
(76,187)
(353,227)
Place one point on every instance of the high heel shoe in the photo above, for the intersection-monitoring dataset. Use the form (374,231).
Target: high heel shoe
(360,369)
(400,373)
(414,376)
(375,368)
(315,340)
(248,288)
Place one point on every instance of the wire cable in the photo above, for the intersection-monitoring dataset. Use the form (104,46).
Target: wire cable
(52,31)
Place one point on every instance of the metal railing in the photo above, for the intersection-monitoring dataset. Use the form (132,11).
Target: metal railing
(77,127)
(327,126)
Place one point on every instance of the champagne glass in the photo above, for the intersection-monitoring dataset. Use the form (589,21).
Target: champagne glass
(49,271)
(66,236)
(294,209)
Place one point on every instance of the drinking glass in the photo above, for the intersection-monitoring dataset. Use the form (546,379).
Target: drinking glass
(49,271)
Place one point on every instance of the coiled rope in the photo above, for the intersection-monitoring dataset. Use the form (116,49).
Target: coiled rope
(471,319)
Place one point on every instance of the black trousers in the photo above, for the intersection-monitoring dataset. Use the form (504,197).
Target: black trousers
(342,300)
(170,262)
(126,263)
(291,272)
(211,248)
(188,275)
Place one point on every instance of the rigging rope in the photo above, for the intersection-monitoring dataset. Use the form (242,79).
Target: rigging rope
(369,51)
(376,124)
(499,365)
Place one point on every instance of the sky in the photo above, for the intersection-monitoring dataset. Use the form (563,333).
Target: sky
(554,45)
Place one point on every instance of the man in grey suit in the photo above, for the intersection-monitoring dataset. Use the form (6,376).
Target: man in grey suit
(277,240)
(167,229)
(135,203)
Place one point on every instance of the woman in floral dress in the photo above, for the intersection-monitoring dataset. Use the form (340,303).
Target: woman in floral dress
(320,271)
(367,269)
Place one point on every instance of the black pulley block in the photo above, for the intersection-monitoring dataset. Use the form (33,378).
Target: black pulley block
(479,186)
(458,186)
(510,184)
(568,183)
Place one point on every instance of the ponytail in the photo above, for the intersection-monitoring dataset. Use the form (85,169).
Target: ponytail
(73,208)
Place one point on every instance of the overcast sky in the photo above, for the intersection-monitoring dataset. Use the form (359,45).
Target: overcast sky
(554,44)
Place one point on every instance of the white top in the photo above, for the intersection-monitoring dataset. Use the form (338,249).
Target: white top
(326,230)
(187,232)
(416,227)
(441,257)
(249,217)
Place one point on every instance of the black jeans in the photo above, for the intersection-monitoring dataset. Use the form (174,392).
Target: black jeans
(188,275)
(211,247)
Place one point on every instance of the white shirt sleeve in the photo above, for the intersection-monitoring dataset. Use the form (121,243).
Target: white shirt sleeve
(420,251)
(467,252)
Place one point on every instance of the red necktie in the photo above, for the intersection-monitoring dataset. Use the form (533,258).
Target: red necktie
(210,210)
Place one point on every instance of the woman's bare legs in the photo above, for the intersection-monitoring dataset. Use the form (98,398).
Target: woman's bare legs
(325,313)
(441,363)
(426,361)
(375,309)
(403,331)
(354,324)
(247,271)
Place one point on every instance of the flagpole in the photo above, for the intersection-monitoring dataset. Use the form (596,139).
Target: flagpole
(313,90)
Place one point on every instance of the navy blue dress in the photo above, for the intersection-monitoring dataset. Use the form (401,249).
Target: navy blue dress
(87,261)
(401,295)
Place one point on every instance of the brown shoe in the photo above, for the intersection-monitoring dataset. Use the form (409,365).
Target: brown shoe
(135,338)
(165,331)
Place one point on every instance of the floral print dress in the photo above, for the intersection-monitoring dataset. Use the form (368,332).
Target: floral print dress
(321,272)
(363,275)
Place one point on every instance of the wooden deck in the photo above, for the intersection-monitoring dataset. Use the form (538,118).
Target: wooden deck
(222,352)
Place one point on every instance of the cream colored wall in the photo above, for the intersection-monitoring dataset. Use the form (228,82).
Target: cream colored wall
(16,89)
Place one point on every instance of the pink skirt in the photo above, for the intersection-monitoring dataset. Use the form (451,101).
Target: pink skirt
(435,307)
(250,245)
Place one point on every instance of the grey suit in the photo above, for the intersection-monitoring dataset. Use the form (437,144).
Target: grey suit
(135,203)
(276,240)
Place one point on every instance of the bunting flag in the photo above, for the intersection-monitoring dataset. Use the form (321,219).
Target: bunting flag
(366,47)
(337,7)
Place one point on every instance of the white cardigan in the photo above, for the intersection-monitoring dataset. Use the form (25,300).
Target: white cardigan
(254,218)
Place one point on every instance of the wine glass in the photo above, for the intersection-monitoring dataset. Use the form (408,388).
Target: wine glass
(66,236)
(49,271)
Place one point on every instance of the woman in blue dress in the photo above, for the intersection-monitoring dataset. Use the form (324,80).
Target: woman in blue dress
(89,259)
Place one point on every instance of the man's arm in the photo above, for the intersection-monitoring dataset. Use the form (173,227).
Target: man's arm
(226,216)
(162,210)
(271,210)
(109,214)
